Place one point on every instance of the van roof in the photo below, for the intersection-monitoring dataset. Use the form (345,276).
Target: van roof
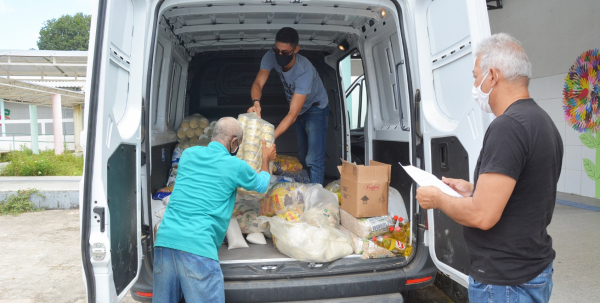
(239,26)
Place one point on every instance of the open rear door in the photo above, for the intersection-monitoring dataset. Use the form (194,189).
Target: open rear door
(110,197)
(453,125)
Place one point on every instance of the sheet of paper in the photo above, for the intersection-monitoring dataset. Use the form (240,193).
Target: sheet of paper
(424,178)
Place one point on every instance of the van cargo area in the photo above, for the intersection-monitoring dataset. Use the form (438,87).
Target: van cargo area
(205,59)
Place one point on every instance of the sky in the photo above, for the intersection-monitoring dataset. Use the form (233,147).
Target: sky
(21,20)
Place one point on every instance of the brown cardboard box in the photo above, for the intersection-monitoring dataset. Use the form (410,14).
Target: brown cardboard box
(365,188)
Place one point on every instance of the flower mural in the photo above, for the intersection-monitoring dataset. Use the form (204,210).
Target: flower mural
(580,104)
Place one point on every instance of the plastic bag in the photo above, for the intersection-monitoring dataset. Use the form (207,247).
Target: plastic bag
(365,228)
(255,130)
(193,130)
(300,176)
(308,243)
(372,251)
(321,204)
(288,163)
(163,192)
(246,214)
(358,242)
(283,197)
(336,188)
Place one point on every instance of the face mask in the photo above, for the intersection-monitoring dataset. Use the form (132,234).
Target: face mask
(283,60)
(234,153)
(482,99)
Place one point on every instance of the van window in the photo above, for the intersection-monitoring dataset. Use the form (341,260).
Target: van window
(351,69)
(173,102)
(158,62)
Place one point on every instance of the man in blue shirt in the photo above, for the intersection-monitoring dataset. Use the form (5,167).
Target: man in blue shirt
(186,261)
(304,90)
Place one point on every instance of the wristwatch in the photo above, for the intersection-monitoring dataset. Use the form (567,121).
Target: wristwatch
(255,101)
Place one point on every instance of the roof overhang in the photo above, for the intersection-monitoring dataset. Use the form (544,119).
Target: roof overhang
(43,65)
(21,92)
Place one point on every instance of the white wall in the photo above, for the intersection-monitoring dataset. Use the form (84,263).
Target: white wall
(554,33)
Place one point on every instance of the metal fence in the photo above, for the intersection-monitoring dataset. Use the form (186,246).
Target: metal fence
(14,141)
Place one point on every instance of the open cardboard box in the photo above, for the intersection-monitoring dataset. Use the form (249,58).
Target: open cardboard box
(365,189)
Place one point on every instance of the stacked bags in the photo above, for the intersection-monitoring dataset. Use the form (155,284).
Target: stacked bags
(195,130)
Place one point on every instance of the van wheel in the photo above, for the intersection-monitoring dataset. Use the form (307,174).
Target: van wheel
(408,295)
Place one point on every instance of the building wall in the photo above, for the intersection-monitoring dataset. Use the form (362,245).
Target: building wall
(21,112)
(554,33)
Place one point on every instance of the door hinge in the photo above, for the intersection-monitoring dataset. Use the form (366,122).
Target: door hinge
(98,251)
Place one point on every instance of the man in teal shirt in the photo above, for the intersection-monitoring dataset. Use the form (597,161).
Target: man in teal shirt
(186,261)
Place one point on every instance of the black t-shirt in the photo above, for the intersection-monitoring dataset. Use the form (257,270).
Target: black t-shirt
(524,144)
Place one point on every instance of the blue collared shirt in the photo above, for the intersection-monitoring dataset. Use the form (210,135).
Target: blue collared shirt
(201,204)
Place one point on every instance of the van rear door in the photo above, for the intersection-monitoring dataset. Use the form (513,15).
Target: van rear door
(453,126)
(110,203)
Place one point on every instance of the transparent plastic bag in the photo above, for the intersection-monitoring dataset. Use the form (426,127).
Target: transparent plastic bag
(336,188)
(282,197)
(288,163)
(321,204)
(255,130)
(308,243)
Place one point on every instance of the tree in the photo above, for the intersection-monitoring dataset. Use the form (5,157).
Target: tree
(66,33)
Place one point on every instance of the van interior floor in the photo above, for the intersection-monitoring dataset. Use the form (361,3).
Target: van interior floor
(253,252)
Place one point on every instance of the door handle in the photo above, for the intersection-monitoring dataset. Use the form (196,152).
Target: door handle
(100,211)
(444,157)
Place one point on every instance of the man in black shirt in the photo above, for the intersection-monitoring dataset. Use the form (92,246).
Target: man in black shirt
(506,212)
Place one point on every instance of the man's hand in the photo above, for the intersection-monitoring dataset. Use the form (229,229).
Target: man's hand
(428,196)
(269,153)
(464,188)
(255,109)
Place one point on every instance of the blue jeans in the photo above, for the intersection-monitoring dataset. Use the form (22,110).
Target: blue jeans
(178,273)
(311,128)
(537,290)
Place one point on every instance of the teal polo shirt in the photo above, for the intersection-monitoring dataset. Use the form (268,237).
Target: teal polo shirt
(201,204)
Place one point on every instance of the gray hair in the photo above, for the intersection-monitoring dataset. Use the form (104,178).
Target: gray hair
(226,129)
(505,53)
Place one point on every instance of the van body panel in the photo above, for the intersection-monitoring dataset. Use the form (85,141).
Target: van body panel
(111,203)
(447,32)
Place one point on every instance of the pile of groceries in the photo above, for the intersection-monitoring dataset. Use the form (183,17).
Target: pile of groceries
(305,221)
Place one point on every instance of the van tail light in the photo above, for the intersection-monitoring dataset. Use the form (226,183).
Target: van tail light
(144,294)
(419,280)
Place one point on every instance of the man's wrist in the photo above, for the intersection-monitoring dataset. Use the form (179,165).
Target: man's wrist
(254,102)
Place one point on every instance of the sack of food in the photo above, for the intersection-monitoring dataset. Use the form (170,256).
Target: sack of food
(372,251)
(308,243)
(163,192)
(365,228)
(283,197)
(288,163)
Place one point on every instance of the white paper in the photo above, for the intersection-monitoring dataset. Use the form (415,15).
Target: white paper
(424,178)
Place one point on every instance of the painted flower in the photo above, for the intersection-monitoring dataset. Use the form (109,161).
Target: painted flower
(581,93)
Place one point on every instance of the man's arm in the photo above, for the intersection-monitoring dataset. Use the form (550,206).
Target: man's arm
(290,118)
(482,211)
(256,91)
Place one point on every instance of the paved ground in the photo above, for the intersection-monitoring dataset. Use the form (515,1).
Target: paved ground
(40,256)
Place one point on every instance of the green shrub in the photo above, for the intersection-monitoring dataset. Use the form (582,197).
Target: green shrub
(25,163)
(19,203)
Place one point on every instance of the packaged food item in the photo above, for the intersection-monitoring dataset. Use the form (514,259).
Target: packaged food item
(300,177)
(209,131)
(198,132)
(174,165)
(255,130)
(283,197)
(335,188)
(194,122)
(190,133)
(213,124)
(185,124)
(235,239)
(373,251)
(290,216)
(365,228)
(203,122)
(288,163)
(181,134)
(163,192)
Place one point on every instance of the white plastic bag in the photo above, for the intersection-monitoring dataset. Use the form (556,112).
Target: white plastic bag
(308,243)
(235,239)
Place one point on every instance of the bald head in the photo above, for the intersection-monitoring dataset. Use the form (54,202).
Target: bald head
(226,130)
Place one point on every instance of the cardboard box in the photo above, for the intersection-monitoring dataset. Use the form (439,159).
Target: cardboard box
(365,189)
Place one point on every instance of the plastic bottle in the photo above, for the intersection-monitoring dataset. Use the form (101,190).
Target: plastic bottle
(394,245)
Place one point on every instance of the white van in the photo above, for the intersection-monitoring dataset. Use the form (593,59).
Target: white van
(153,62)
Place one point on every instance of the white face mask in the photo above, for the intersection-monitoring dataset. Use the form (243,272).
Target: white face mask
(482,99)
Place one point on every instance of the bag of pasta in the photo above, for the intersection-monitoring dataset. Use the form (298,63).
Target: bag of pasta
(288,163)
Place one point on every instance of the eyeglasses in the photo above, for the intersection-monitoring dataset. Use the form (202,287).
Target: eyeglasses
(284,52)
